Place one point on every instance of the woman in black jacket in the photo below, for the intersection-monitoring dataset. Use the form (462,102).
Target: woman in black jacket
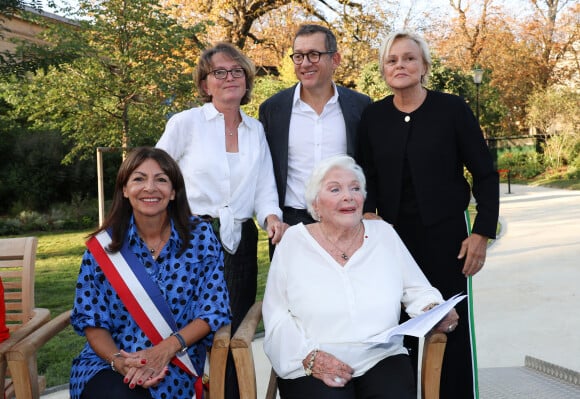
(413,146)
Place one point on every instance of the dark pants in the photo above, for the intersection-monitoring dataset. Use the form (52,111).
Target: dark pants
(391,378)
(109,384)
(241,275)
(435,249)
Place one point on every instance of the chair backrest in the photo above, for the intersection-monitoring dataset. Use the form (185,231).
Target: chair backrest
(17,257)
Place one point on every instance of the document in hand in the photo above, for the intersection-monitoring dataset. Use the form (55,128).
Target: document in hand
(419,326)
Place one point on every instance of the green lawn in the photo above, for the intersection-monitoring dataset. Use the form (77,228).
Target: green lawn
(57,264)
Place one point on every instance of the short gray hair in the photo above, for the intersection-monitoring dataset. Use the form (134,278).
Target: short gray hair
(314,184)
(423,46)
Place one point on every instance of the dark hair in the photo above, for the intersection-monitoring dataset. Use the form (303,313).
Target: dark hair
(309,29)
(204,67)
(121,210)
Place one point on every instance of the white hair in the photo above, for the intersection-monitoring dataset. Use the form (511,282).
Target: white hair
(314,184)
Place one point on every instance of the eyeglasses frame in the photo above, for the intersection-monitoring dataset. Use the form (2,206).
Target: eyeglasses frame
(230,71)
(308,54)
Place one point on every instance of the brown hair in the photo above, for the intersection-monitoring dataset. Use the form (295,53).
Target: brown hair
(119,216)
(204,67)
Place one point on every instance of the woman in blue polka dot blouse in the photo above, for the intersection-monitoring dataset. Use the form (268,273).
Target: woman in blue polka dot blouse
(182,260)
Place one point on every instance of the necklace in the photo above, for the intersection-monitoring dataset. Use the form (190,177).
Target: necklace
(155,250)
(231,132)
(343,254)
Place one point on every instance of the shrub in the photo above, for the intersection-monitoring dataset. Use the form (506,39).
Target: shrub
(80,213)
(525,164)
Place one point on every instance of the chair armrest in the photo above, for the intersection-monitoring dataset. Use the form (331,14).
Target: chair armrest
(217,362)
(433,351)
(38,338)
(40,316)
(241,346)
(244,335)
(22,356)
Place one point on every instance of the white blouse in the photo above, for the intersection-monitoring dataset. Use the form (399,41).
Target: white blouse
(195,138)
(312,302)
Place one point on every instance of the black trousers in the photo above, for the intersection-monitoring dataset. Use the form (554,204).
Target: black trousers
(435,250)
(391,378)
(241,275)
(108,384)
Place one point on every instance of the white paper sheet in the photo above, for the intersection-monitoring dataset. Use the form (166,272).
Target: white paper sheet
(418,326)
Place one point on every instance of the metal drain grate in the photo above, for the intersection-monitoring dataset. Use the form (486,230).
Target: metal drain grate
(523,383)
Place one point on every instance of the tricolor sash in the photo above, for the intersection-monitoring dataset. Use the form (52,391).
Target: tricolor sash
(140,295)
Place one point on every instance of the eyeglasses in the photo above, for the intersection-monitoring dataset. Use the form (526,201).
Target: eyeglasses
(313,56)
(222,74)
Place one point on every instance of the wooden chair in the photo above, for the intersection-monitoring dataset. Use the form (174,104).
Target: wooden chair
(17,258)
(241,347)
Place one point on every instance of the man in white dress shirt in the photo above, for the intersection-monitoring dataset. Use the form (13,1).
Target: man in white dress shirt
(311,121)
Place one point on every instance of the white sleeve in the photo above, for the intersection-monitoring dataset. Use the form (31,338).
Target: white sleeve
(285,342)
(175,138)
(266,195)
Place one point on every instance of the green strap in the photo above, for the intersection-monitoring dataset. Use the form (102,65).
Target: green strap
(472,320)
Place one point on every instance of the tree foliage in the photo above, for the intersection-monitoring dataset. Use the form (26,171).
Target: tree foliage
(519,53)
(10,7)
(130,68)
(554,112)
(237,21)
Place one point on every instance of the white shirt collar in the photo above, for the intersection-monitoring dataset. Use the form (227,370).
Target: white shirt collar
(297,100)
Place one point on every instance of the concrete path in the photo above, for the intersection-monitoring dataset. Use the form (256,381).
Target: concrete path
(527,297)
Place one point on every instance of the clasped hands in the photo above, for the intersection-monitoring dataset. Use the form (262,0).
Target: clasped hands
(329,369)
(145,368)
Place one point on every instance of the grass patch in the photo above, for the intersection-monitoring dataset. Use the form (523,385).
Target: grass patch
(58,259)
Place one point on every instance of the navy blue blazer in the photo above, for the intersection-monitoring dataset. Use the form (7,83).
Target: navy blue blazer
(275,115)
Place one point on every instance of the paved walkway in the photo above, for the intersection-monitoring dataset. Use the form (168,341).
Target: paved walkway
(527,297)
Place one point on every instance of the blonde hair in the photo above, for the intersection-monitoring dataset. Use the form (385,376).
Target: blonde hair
(426,55)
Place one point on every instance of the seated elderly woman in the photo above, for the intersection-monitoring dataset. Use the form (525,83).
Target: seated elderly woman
(333,285)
